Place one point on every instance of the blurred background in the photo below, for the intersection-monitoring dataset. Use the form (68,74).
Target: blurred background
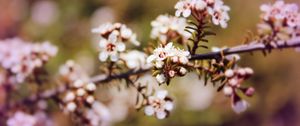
(67,24)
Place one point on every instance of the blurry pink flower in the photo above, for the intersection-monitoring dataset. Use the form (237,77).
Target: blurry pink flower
(44,12)
(21,119)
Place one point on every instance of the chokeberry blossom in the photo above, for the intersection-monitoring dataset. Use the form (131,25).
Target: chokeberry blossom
(113,38)
(21,58)
(159,105)
(166,28)
(200,9)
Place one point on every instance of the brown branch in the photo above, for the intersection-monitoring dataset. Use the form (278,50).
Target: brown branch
(253,46)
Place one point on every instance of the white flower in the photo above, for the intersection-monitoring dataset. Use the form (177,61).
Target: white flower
(112,40)
(219,14)
(240,106)
(183,7)
(159,105)
(110,48)
(21,119)
(166,27)
(161,53)
(135,60)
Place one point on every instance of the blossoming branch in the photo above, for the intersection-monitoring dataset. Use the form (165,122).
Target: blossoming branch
(173,52)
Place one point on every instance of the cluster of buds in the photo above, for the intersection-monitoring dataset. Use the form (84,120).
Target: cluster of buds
(280,21)
(159,105)
(79,91)
(166,28)
(201,9)
(168,62)
(235,79)
(21,58)
(113,38)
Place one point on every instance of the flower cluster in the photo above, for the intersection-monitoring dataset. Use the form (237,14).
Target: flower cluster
(280,20)
(159,105)
(235,79)
(166,28)
(112,40)
(169,62)
(200,9)
(79,90)
(21,58)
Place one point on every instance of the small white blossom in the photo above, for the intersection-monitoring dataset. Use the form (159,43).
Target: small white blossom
(161,53)
(110,48)
(166,27)
(159,105)
(112,40)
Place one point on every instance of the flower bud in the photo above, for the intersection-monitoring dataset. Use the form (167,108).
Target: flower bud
(71,106)
(228,90)
(90,99)
(80,92)
(90,87)
(233,82)
(250,91)
(229,73)
(70,96)
(172,73)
